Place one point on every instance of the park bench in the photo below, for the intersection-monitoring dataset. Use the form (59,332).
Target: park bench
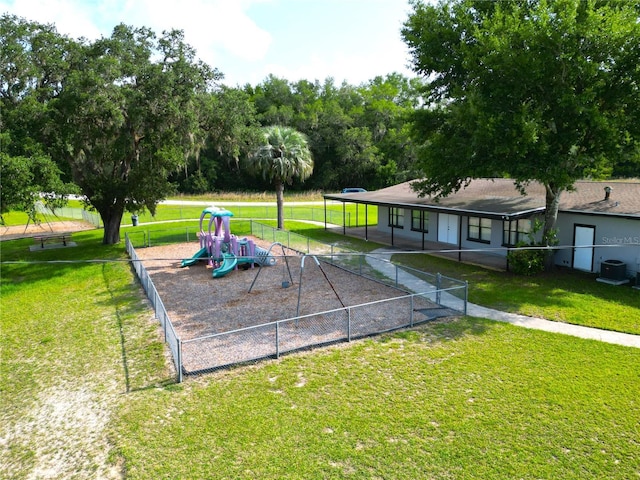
(52,238)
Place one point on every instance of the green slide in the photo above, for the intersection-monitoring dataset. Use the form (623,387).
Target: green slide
(229,262)
(202,253)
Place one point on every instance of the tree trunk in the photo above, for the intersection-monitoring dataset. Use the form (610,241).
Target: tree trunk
(280,203)
(552,204)
(111,220)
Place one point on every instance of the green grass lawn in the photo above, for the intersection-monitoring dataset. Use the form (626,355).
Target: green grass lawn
(289,196)
(471,399)
(562,295)
(87,389)
(76,337)
(353,214)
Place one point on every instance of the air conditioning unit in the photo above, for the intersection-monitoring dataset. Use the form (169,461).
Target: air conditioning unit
(613,270)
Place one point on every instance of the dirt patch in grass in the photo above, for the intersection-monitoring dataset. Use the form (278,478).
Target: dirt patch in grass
(26,231)
(65,435)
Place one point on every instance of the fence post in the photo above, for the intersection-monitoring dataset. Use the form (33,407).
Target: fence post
(466,295)
(411,312)
(277,339)
(179,361)
(438,287)
(348,324)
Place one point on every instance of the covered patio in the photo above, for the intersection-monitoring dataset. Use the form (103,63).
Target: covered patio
(443,226)
(444,250)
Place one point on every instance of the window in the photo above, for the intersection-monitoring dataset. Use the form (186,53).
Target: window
(479,229)
(420,221)
(515,231)
(396,217)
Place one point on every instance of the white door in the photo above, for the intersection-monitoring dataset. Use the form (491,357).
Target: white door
(448,228)
(584,238)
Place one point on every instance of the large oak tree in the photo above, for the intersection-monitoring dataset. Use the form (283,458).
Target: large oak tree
(127,117)
(534,90)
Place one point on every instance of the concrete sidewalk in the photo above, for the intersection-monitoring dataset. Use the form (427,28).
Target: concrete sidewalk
(607,336)
(380,261)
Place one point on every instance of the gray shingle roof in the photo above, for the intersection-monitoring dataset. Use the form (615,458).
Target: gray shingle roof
(499,197)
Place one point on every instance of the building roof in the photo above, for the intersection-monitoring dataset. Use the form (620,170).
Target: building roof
(498,198)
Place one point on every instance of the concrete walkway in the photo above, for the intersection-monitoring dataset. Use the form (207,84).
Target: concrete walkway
(380,260)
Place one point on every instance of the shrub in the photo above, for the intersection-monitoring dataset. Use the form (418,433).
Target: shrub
(531,261)
(523,261)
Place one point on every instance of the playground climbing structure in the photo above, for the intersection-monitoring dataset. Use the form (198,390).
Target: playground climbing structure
(224,251)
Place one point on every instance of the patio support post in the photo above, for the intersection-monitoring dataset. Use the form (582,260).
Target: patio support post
(422,212)
(366,221)
(459,238)
(325,213)
(344,218)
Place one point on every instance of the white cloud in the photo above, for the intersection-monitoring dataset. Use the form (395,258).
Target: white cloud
(70,18)
(210,26)
(354,68)
(352,40)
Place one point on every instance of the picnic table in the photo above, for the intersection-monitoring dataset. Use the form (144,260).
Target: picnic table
(53,237)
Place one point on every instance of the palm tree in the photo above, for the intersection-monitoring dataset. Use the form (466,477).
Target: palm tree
(283,156)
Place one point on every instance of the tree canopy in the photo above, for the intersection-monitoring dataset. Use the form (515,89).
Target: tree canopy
(532,90)
(538,90)
(126,119)
(32,66)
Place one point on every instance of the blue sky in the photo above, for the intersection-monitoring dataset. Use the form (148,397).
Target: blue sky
(351,40)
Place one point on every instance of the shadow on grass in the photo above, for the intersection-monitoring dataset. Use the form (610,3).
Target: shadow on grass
(21,266)
(114,294)
(141,345)
(442,330)
(508,291)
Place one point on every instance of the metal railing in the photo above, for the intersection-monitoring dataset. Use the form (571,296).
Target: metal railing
(420,294)
(147,238)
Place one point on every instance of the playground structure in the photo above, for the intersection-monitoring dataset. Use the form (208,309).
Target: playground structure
(224,251)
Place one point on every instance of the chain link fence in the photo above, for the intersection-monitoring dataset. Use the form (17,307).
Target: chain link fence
(349,218)
(69,212)
(421,297)
(170,335)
